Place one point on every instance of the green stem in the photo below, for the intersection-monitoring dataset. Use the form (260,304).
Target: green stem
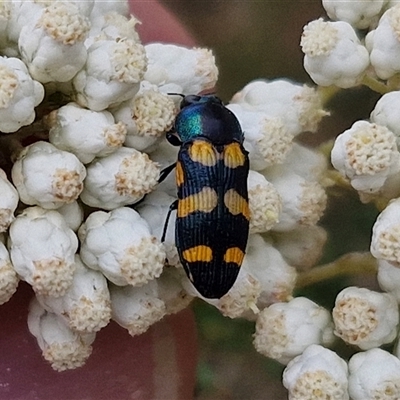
(375,85)
(326,93)
(349,264)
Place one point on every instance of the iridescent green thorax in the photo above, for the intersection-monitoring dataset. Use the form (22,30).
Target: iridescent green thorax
(189,124)
(209,119)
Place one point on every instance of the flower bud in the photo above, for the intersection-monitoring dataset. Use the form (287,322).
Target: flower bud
(317,371)
(365,318)
(374,374)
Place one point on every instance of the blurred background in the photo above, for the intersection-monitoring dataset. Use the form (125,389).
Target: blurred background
(260,39)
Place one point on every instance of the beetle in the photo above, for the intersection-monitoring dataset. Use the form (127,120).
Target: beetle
(212,221)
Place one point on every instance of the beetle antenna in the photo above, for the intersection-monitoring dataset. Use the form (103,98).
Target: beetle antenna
(176,94)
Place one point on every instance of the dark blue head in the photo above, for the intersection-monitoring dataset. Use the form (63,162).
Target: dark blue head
(206,116)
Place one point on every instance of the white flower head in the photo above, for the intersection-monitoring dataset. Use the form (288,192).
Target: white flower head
(8,276)
(147,116)
(306,162)
(326,45)
(8,201)
(301,247)
(62,347)
(299,106)
(360,14)
(19,95)
(285,330)
(267,138)
(52,44)
(177,67)
(73,214)
(318,371)
(23,12)
(385,113)
(120,178)
(105,7)
(111,75)
(42,250)
(385,241)
(154,209)
(374,374)
(241,300)
(264,203)
(112,24)
(383,43)
(120,245)
(389,278)
(365,318)
(303,201)
(171,290)
(85,133)
(86,305)
(367,154)
(136,308)
(276,278)
(47,176)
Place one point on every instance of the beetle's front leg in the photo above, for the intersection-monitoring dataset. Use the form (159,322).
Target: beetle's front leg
(172,207)
(165,172)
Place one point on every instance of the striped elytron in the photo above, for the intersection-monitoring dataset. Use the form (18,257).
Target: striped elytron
(212,223)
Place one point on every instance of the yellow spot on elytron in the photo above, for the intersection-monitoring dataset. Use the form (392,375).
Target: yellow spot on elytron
(198,253)
(203,152)
(234,255)
(236,204)
(179,174)
(233,156)
(206,200)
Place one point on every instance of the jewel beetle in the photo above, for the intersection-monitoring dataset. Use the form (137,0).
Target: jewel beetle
(212,221)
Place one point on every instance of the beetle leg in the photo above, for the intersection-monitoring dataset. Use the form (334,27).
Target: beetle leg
(165,172)
(172,207)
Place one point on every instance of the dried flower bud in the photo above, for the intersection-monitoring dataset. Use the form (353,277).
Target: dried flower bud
(121,178)
(86,305)
(8,276)
(285,330)
(42,250)
(47,176)
(374,374)
(85,133)
(317,371)
(120,245)
(52,44)
(365,318)
(325,45)
(8,201)
(19,95)
(62,347)
(136,308)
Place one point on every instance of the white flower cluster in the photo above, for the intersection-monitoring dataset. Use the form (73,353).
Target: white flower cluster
(335,54)
(368,157)
(66,228)
(69,174)
(88,257)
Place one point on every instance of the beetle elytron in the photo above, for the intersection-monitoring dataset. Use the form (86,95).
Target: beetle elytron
(212,223)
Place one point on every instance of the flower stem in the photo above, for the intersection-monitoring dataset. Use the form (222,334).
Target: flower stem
(327,93)
(349,264)
(375,85)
